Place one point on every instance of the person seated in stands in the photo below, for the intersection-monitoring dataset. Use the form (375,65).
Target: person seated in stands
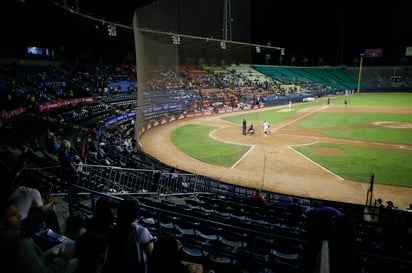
(104,216)
(100,151)
(379,203)
(102,155)
(131,244)
(390,205)
(92,250)
(258,199)
(90,152)
(29,202)
(19,253)
(79,164)
(54,144)
(251,130)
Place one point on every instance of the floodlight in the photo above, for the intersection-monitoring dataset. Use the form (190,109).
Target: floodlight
(111,29)
(223,45)
(175,40)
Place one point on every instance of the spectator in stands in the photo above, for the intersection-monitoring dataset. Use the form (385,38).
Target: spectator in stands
(85,153)
(104,217)
(131,244)
(54,142)
(258,199)
(91,253)
(173,177)
(330,224)
(380,203)
(68,171)
(389,205)
(166,258)
(18,252)
(29,203)
(91,152)
(101,154)
(67,163)
(100,151)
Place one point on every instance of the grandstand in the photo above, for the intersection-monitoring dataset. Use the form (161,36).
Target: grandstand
(193,207)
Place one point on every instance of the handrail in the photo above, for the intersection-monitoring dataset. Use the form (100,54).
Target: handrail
(324,258)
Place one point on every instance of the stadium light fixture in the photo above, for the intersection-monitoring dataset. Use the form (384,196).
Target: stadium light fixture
(176,40)
(223,45)
(111,29)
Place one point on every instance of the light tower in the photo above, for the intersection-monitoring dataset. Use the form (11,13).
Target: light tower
(227,21)
(360,72)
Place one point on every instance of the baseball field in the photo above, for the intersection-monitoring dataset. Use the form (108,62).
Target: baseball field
(314,149)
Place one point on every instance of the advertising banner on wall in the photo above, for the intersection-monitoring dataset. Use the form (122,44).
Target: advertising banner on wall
(373,52)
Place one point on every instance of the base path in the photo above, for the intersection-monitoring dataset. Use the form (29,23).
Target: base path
(272,164)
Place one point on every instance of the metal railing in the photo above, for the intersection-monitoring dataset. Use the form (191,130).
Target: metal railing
(116,180)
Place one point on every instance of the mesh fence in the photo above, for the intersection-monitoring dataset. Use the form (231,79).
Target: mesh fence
(185,48)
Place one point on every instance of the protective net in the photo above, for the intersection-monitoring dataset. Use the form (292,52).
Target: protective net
(187,53)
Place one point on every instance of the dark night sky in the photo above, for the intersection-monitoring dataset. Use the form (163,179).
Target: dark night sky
(336,28)
(337,31)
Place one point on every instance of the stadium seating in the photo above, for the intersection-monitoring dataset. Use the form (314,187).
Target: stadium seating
(218,228)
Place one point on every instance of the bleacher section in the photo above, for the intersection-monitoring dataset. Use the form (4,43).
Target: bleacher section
(213,219)
(311,78)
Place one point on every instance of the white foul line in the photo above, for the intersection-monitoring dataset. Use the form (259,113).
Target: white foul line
(307,158)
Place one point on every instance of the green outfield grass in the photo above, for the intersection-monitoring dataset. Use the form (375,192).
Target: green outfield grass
(359,163)
(195,141)
(376,99)
(354,163)
(359,126)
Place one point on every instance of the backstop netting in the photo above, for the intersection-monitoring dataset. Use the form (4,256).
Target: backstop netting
(178,43)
